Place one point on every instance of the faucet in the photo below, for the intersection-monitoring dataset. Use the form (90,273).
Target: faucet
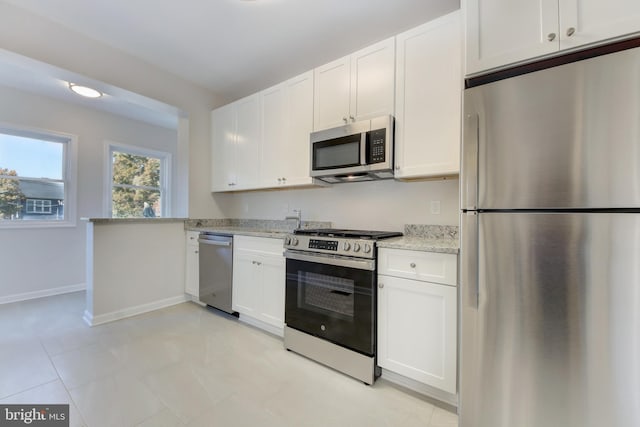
(297,217)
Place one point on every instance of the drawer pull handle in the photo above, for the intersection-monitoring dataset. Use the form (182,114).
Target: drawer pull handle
(412,265)
(381,285)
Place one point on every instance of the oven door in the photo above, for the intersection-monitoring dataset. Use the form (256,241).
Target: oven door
(332,298)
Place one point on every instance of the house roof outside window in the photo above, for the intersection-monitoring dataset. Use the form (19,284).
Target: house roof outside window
(42,189)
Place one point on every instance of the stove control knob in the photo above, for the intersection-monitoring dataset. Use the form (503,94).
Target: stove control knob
(367,248)
(287,240)
(346,246)
(356,247)
(294,241)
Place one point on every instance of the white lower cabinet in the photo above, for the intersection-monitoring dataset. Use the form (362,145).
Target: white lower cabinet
(192,263)
(417,322)
(259,281)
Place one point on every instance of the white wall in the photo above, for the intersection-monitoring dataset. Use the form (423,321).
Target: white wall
(136,267)
(384,205)
(49,42)
(33,261)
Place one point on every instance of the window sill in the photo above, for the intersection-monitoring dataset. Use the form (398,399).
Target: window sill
(15,225)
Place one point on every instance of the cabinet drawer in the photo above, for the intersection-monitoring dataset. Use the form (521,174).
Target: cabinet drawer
(425,266)
(258,244)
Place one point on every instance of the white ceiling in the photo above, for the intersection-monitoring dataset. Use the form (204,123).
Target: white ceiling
(36,77)
(237,47)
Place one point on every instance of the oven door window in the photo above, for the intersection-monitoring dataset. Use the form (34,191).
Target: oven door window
(334,303)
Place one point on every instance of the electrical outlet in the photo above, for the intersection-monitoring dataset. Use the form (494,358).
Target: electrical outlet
(435,207)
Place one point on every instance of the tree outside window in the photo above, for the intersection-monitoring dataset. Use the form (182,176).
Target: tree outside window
(137,185)
(11,196)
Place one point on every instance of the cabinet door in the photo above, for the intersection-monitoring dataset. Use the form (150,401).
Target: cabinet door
(246,292)
(588,21)
(331,94)
(429,99)
(501,32)
(372,81)
(248,143)
(295,155)
(223,130)
(191,279)
(273,282)
(287,121)
(274,135)
(417,331)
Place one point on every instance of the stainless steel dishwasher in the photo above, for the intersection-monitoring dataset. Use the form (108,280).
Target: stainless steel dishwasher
(216,270)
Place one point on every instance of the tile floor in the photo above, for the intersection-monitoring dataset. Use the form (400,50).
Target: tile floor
(183,365)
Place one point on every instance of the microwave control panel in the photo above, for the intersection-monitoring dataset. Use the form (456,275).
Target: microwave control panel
(376,143)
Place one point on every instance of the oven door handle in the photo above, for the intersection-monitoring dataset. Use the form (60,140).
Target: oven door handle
(360,264)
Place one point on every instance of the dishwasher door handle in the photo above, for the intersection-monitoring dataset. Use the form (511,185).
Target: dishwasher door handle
(214,242)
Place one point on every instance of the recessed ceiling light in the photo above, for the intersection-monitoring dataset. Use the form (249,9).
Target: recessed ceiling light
(85,91)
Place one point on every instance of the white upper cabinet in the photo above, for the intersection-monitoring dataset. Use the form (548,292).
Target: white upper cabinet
(589,21)
(223,128)
(236,142)
(331,94)
(429,99)
(248,141)
(356,87)
(505,31)
(287,121)
(501,32)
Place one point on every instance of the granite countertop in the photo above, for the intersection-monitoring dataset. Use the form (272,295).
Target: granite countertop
(131,220)
(277,229)
(426,238)
(243,231)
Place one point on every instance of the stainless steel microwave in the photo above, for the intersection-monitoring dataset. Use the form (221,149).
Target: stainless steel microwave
(359,151)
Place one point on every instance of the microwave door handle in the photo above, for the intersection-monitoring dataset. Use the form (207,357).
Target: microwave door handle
(363,148)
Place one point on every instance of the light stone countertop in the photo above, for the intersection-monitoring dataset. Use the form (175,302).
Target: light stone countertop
(425,238)
(243,231)
(276,229)
(132,220)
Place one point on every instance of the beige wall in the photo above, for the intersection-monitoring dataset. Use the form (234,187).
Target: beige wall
(46,41)
(385,205)
(37,260)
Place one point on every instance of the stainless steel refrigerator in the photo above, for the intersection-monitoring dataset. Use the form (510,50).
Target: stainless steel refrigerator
(550,255)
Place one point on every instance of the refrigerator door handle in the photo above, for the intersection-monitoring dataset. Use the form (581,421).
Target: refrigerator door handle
(470,148)
(469,260)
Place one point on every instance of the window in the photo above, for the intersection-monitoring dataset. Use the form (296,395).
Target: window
(138,181)
(38,206)
(36,178)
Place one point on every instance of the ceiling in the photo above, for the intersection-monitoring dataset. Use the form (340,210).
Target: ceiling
(36,77)
(237,47)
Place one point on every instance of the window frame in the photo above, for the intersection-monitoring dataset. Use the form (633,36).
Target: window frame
(165,175)
(69,175)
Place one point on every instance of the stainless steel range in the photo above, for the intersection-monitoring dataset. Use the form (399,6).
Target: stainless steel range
(331,300)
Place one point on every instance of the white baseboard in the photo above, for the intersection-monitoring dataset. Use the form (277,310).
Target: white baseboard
(92,320)
(421,388)
(262,325)
(43,293)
